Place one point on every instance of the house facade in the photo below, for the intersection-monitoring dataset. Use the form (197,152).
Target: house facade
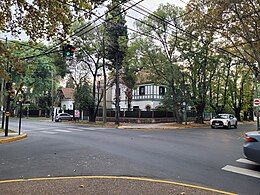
(66,99)
(145,97)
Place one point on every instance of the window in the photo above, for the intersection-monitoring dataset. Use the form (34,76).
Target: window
(142,90)
(161,90)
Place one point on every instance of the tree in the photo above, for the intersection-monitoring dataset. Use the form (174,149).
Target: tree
(35,75)
(83,98)
(116,43)
(236,22)
(42,19)
(90,61)
(159,49)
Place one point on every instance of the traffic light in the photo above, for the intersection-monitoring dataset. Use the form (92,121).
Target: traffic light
(11,92)
(68,50)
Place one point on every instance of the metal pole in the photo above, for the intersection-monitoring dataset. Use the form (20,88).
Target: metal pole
(7,115)
(20,117)
(256,95)
(52,111)
(117,91)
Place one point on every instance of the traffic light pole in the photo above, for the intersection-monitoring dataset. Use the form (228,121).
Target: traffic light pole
(7,114)
(256,96)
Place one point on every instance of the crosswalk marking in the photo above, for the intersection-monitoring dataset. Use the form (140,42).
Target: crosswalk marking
(242,160)
(242,171)
(59,130)
(71,129)
(49,132)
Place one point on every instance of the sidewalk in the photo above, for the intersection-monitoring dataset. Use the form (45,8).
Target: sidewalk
(11,137)
(162,126)
(81,185)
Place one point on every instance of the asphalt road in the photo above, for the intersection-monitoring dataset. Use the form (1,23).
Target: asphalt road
(194,156)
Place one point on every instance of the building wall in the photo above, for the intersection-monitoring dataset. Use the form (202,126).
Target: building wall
(68,104)
(149,98)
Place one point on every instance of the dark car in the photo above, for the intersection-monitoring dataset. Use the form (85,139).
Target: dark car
(252,146)
(63,116)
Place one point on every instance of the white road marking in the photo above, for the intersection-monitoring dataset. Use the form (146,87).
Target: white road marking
(49,132)
(71,129)
(242,171)
(59,130)
(243,160)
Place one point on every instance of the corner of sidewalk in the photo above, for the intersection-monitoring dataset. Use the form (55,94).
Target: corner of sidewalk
(161,126)
(11,137)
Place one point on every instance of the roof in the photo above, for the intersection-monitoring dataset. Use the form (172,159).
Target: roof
(67,93)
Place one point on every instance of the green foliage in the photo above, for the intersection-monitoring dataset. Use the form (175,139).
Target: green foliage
(42,19)
(116,44)
(83,97)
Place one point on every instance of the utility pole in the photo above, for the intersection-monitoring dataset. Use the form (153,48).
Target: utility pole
(104,85)
(52,111)
(7,114)
(255,68)
(3,96)
(3,102)
(117,92)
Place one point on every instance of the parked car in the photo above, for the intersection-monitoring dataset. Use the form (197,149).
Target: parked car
(63,116)
(252,146)
(224,120)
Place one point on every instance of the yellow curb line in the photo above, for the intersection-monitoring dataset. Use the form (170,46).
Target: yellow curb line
(12,139)
(119,177)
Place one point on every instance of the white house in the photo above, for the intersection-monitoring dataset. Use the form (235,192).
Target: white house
(66,96)
(145,97)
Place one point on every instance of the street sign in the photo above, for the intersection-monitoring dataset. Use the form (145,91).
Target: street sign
(77,114)
(256,102)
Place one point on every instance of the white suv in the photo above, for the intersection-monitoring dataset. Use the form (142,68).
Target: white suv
(224,120)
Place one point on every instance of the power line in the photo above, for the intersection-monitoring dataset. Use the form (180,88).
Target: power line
(188,33)
(234,46)
(82,28)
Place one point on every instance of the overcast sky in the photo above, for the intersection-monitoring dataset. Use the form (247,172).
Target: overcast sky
(151,5)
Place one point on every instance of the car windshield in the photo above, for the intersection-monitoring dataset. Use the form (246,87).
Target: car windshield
(222,116)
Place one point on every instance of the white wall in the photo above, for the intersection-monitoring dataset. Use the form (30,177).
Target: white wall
(68,104)
(151,97)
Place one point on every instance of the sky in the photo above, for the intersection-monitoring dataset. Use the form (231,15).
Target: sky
(152,5)
(149,4)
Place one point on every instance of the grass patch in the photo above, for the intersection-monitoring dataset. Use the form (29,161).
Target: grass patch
(100,124)
(9,130)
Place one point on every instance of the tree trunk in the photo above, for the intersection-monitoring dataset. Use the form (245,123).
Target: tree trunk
(237,113)
(200,110)
(175,104)
(92,117)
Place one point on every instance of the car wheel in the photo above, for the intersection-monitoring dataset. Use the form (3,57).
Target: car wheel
(212,127)
(235,126)
(60,120)
(229,126)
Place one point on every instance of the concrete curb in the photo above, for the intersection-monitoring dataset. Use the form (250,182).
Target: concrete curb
(12,139)
(148,128)
(201,189)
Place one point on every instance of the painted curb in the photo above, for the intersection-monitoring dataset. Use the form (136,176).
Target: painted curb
(119,177)
(12,139)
